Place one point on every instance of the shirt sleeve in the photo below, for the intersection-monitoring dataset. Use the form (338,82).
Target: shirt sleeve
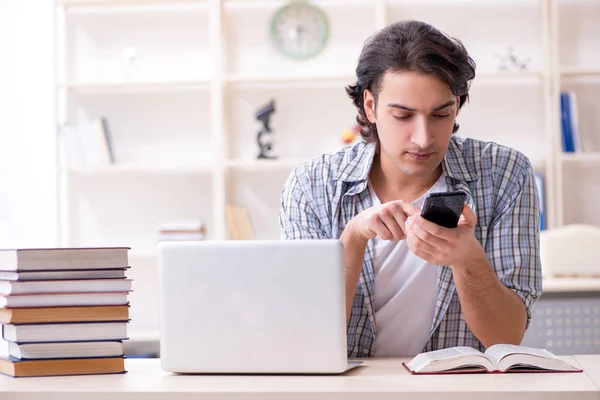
(514,238)
(298,218)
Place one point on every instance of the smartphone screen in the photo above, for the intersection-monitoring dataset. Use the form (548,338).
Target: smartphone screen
(444,208)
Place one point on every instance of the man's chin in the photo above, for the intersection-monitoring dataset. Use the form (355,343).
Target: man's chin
(417,171)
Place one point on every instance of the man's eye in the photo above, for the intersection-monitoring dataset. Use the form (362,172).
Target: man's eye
(402,117)
(441,115)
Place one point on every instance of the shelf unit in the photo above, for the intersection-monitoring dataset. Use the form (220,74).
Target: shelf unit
(238,70)
(181,115)
(576,60)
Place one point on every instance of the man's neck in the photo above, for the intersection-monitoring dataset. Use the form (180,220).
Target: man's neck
(391,183)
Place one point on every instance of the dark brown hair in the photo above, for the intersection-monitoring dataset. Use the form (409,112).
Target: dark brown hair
(409,46)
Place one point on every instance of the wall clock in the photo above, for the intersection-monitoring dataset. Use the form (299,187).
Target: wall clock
(299,30)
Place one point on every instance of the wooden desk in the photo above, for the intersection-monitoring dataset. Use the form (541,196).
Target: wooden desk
(377,379)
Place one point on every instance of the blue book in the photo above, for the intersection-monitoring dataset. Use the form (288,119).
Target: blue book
(565,119)
(539,183)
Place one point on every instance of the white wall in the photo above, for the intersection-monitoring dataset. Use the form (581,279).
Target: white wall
(27,155)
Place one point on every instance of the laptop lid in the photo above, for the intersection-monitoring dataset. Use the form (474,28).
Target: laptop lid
(270,306)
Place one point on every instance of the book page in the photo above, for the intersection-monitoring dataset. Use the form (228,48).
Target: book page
(453,352)
(422,360)
(497,352)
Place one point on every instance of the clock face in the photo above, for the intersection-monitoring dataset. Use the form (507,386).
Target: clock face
(299,30)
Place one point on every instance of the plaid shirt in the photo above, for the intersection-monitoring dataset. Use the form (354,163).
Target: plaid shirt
(322,195)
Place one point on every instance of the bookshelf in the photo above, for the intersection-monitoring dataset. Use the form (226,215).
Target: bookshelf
(575,59)
(179,82)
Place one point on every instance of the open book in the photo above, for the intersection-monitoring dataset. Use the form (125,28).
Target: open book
(499,358)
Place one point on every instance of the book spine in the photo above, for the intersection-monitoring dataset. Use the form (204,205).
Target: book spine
(539,181)
(567,138)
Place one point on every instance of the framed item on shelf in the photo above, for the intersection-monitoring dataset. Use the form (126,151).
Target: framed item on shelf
(299,30)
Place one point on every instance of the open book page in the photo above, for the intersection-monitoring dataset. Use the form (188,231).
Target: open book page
(506,356)
(448,359)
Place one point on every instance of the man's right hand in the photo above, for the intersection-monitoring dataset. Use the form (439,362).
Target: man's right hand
(385,220)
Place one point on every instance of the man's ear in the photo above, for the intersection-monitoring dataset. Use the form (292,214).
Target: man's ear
(369,106)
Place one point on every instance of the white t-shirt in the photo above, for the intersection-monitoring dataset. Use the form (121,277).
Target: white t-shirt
(405,292)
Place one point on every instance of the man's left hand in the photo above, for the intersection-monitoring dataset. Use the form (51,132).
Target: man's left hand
(439,245)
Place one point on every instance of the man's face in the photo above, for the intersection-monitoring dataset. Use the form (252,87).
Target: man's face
(415,115)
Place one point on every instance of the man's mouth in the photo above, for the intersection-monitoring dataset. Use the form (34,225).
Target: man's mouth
(420,156)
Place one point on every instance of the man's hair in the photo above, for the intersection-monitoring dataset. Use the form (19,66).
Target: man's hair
(409,46)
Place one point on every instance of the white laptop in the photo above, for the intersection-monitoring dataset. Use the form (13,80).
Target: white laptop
(254,306)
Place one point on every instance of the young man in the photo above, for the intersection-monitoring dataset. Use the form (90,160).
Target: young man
(412,285)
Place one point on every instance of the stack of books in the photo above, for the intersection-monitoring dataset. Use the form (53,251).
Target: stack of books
(64,311)
(191,230)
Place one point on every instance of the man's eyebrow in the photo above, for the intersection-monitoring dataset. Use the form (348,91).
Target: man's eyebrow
(438,108)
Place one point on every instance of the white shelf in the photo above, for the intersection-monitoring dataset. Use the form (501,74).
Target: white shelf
(265,165)
(581,157)
(508,77)
(554,285)
(326,79)
(245,4)
(485,78)
(580,72)
(136,87)
(101,3)
(142,169)
(470,3)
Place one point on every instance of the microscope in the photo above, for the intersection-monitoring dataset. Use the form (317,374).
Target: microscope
(264,137)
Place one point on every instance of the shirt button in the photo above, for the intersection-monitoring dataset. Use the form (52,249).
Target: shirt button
(365,351)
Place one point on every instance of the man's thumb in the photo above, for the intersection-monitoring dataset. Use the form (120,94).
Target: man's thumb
(468,216)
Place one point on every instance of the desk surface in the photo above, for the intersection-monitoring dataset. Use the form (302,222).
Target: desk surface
(591,366)
(565,284)
(376,379)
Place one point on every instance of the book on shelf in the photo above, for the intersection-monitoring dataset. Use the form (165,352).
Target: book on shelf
(240,227)
(190,230)
(63,314)
(87,144)
(539,182)
(573,141)
(95,143)
(65,332)
(44,367)
(65,286)
(76,258)
(565,123)
(118,273)
(64,299)
(24,351)
(500,358)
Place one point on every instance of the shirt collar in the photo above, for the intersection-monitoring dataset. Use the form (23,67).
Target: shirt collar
(357,162)
(454,164)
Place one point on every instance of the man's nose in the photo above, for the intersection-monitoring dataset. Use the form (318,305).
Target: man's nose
(421,135)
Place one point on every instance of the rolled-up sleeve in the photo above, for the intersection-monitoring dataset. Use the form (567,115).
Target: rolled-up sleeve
(514,237)
(298,218)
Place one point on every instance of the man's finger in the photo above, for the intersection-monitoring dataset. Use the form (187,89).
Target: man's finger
(409,209)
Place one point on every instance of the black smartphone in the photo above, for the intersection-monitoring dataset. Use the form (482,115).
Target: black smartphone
(444,208)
